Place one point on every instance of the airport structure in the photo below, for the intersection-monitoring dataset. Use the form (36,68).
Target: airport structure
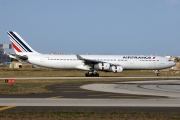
(4,58)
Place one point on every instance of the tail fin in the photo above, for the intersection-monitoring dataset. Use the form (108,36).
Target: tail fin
(19,45)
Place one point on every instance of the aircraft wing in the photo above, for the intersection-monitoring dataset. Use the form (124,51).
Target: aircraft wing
(87,61)
(90,61)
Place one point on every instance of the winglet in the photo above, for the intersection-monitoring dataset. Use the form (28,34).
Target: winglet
(79,57)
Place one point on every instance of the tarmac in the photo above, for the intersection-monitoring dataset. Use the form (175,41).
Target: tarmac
(137,96)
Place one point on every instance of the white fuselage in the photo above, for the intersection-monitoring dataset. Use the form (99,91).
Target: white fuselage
(92,63)
(128,62)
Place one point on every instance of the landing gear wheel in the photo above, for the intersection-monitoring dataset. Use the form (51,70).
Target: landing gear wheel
(87,75)
(96,75)
(158,74)
(91,74)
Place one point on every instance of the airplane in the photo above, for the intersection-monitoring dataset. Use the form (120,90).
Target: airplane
(90,63)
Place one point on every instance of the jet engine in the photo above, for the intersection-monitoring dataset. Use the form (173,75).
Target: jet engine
(115,69)
(102,66)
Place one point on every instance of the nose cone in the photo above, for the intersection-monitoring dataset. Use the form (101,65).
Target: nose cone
(173,63)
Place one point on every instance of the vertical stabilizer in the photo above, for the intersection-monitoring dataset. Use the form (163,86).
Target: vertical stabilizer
(19,45)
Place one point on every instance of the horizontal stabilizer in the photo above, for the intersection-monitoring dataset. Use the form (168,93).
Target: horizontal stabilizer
(18,57)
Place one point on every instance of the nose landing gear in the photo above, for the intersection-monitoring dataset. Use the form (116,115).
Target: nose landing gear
(158,73)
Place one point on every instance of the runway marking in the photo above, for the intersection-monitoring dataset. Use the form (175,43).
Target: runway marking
(55,97)
(7,107)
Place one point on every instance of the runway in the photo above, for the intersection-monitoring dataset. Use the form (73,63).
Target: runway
(90,102)
(146,96)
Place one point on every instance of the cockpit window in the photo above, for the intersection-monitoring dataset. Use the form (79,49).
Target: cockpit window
(169,60)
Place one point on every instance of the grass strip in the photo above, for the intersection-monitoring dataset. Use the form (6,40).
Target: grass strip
(82,115)
(41,86)
(47,72)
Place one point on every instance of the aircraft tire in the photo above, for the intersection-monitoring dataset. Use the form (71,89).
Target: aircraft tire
(87,75)
(92,74)
(158,74)
(96,75)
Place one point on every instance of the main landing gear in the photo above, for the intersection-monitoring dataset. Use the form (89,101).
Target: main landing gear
(158,73)
(92,74)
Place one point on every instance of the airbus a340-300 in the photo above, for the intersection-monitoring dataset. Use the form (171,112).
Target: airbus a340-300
(90,63)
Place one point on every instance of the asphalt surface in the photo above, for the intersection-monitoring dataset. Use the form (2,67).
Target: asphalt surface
(75,91)
(95,109)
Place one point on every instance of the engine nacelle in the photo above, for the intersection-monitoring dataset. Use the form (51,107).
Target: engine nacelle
(102,66)
(115,69)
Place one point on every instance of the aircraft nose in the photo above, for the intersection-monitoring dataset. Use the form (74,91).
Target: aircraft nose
(172,63)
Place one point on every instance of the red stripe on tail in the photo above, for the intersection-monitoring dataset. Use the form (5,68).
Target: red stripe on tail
(16,48)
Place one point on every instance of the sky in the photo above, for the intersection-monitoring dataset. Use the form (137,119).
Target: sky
(118,27)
